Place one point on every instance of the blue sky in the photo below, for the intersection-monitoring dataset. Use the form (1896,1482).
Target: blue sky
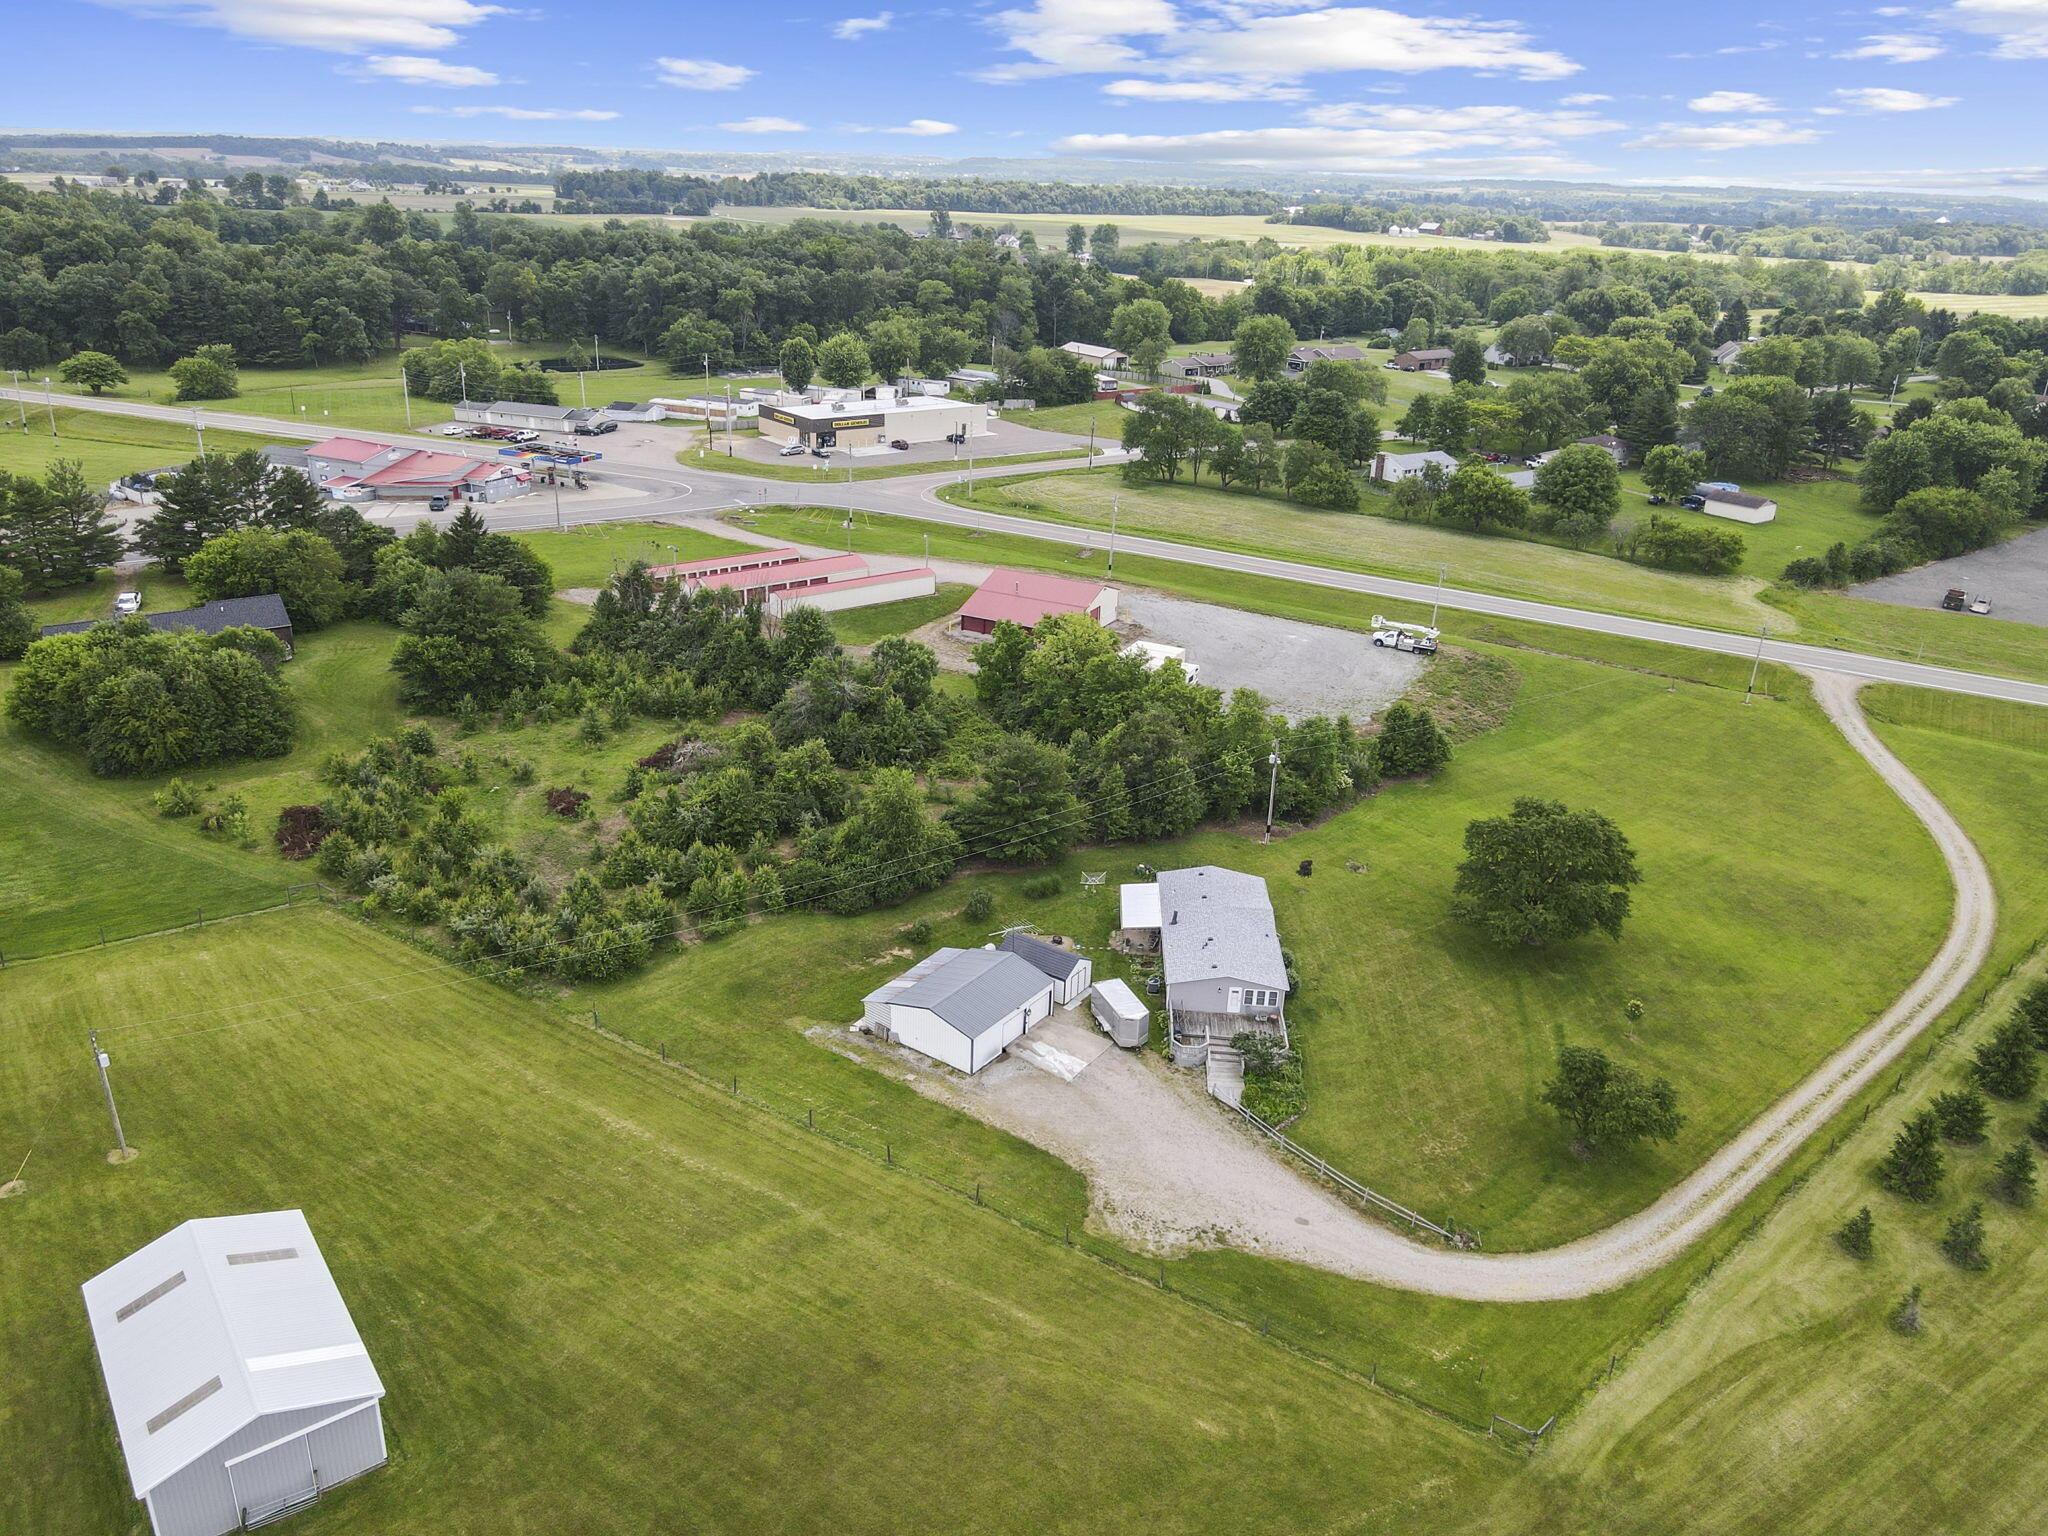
(1931,96)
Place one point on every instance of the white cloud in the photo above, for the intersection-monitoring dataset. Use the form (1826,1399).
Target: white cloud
(412,69)
(854,27)
(916,128)
(1732,101)
(2020,26)
(524,114)
(1753,133)
(1878,98)
(1267,41)
(1583,99)
(1201,90)
(702,74)
(340,26)
(764,125)
(1361,136)
(1896,47)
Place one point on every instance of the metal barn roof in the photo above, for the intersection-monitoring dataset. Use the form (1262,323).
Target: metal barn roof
(1054,961)
(971,989)
(213,1325)
(264,612)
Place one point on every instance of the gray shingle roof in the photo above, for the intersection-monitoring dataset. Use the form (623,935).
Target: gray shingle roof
(1055,962)
(265,612)
(1218,924)
(971,989)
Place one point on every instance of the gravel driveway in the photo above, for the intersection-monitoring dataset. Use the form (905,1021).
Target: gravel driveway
(1167,1169)
(1301,669)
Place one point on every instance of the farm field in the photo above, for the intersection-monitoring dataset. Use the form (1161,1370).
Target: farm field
(1414,551)
(105,446)
(1782,1364)
(2019,306)
(666,1299)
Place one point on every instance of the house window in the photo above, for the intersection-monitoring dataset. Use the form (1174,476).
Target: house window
(1261,997)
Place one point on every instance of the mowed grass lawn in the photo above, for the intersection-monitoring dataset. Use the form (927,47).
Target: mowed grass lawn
(106,447)
(1781,1368)
(603,1298)
(864,626)
(1383,545)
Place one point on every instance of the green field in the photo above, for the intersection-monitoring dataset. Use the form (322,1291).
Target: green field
(2019,306)
(1383,545)
(1782,1365)
(105,446)
(680,1312)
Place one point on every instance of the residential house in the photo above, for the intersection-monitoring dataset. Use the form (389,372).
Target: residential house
(1614,447)
(1421,360)
(1220,953)
(1387,468)
(1323,352)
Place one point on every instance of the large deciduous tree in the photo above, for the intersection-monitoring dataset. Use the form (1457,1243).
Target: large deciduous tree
(1610,1106)
(1543,874)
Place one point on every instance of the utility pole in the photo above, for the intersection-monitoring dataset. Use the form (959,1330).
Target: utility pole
(596,360)
(707,372)
(1110,569)
(405,387)
(1272,788)
(556,481)
(462,375)
(50,405)
(99,1058)
(582,390)
(1757,665)
(1091,437)
(927,549)
(20,397)
(729,423)
(199,429)
(1438,601)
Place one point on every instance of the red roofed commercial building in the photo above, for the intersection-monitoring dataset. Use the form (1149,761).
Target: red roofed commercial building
(1025,597)
(781,578)
(355,469)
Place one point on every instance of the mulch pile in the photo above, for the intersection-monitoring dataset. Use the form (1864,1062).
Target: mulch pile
(301,829)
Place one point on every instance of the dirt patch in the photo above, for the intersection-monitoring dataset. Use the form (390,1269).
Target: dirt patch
(1468,694)
(301,829)
(12,1188)
(567,802)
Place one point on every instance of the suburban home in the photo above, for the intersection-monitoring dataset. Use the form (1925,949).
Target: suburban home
(1615,448)
(1100,357)
(265,612)
(240,1388)
(1729,352)
(1736,506)
(1027,597)
(1072,974)
(355,469)
(1200,365)
(1421,360)
(1387,468)
(1220,951)
(963,1007)
(633,410)
(1323,352)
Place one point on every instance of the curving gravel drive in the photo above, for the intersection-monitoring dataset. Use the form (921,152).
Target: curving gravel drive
(1167,1169)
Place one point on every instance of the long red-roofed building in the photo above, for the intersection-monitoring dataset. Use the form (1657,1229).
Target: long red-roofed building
(355,468)
(1024,598)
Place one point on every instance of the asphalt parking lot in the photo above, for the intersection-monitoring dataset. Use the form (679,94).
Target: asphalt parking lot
(2014,576)
(1300,669)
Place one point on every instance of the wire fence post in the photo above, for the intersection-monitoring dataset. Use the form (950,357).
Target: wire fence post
(888,1155)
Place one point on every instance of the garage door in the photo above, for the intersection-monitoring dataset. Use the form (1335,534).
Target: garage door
(273,1481)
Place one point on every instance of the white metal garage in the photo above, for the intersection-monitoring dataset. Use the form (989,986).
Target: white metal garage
(1072,973)
(241,1390)
(961,1006)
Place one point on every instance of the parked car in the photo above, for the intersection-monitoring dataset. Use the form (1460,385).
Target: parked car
(899,444)
(1493,458)
(595,428)
(1981,605)
(1955,600)
(437,503)
(821,452)
(1693,503)
(956,437)
(524,436)
(450,429)
(127,602)
(789,451)
(1658,501)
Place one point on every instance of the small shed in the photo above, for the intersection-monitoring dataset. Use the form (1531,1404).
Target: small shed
(1071,973)
(241,1390)
(1138,915)
(1120,1012)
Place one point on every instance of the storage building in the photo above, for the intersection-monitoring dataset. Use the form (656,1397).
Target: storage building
(963,1007)
(1071,973)
(871,420)
(264,612)
(1027,597)
(1736,506)
(241,1390)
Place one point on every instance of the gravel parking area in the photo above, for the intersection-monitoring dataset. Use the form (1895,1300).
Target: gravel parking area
(2014,576)
(1004,439)
(1301,669)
